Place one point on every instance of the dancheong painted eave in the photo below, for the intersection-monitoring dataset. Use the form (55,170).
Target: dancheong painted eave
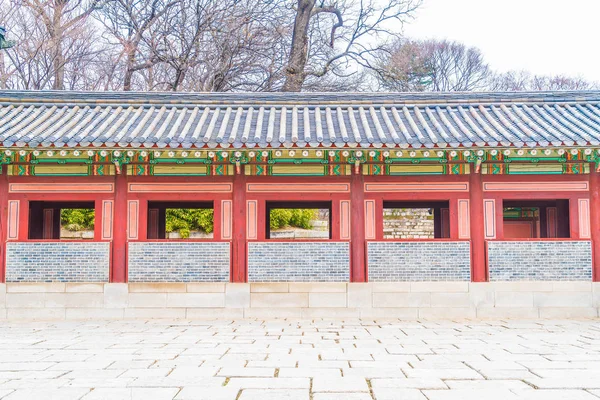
(273,120)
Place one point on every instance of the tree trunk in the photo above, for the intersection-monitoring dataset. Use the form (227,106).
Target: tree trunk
(59,68)
(179,77)
(150,79)
(3,75)
(294,70)
(56,36)
(129,70)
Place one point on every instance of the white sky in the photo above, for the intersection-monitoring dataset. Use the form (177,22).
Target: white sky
(543,36)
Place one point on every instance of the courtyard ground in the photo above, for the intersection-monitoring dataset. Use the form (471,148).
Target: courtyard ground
(292,359)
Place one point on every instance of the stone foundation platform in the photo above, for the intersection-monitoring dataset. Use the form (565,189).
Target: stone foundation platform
(407,300)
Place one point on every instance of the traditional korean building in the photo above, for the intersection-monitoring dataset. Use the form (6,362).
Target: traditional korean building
(504,188)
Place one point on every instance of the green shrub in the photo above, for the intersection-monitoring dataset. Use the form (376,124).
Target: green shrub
(184,232)
(279,217)
(185,220)
(73,227)
(296,217)
(303,218)
(77,219)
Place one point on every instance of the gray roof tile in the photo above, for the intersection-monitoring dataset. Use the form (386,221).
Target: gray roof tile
(217,120)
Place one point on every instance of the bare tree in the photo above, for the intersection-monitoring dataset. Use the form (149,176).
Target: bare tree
(239,45)
(200,45)
(32,62)
(404,68)
(510,81)
(7,69)
(208,44)
(433,65)
(514,81)
(60,20)
(330,36)
(456,67)
(129,26)
(359,81)
(87,58)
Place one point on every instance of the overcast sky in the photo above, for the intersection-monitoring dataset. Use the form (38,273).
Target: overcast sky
(542,36)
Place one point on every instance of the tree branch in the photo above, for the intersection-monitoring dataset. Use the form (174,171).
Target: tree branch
(338,24)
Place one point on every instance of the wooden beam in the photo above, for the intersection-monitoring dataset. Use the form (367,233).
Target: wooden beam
(478,257)
(49,224)
(595,221)
(153,215)
(358,264)
(238,212)
(119,246)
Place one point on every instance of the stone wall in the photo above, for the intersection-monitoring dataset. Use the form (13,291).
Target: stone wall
(540,260)
(407,300)
(408,223)
(179,261)
(298,262)
(419,261)
(57,261)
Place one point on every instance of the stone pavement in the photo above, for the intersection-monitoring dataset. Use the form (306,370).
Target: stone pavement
(301,359)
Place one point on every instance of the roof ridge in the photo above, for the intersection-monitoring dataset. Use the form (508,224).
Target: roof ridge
(303,98)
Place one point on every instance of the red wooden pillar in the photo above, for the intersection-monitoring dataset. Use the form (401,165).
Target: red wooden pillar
(595,220)
(358,265)
(119,245)
(3,219)
(478,262)
(238,213)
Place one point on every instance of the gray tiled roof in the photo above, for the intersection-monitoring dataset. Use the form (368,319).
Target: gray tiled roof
(33,118)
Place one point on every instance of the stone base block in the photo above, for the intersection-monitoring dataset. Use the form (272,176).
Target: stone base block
(171,313)
(214,313)
(36,313)
(270,313)
(508,312)
(405,300)
(447,313)
(568,312)
(390,313)
(325,312)
(95,313)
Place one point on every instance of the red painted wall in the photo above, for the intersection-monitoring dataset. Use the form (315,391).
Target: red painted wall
(356,189)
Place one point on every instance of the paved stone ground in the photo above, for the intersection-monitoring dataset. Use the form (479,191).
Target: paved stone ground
(289,360)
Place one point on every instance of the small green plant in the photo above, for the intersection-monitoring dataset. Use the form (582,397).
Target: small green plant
(279,217)
(296,217)
(77,219)
(185,220)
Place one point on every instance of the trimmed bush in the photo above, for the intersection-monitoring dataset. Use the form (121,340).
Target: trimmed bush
(185,220)
(296,217)
(77,219)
